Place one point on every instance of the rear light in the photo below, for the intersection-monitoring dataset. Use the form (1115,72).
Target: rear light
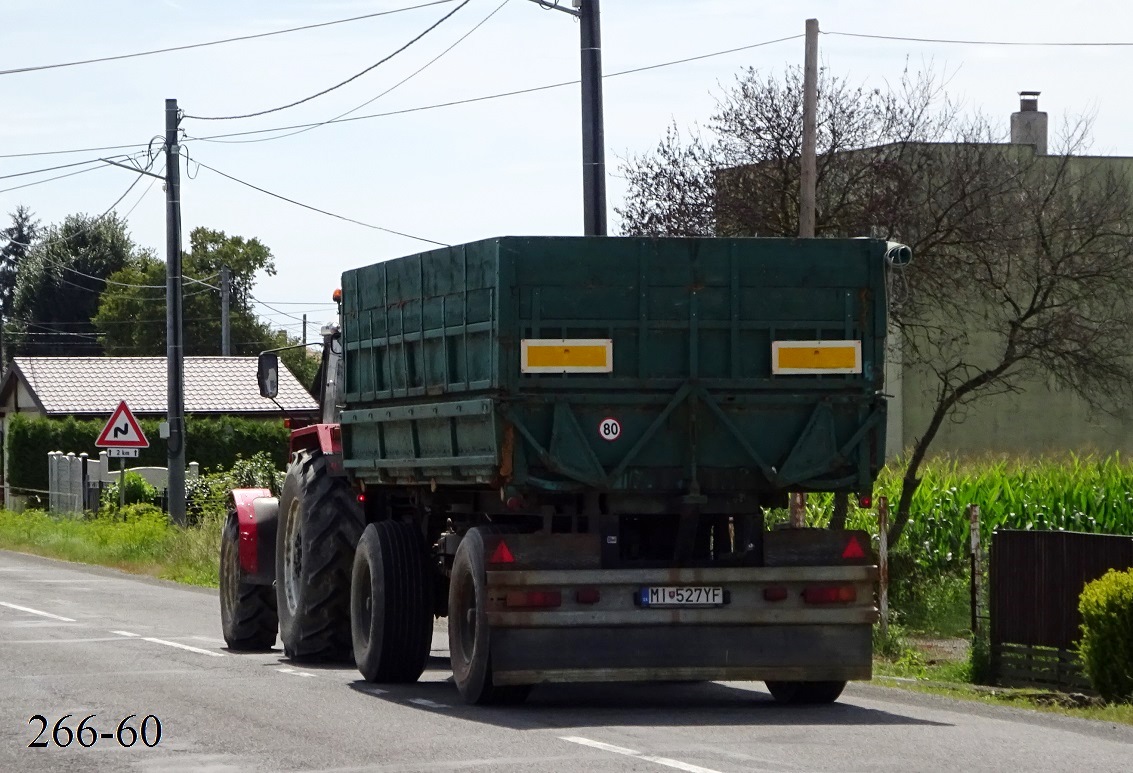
(774,594)
(361,498)
(865,501)
(534,598)
(831,594)
(588,595)
(287,423)
(502,554)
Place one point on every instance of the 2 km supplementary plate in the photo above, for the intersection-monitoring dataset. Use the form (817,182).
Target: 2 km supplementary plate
(682,596)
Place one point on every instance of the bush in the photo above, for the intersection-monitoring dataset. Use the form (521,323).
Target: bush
(137,492)
(1106,648)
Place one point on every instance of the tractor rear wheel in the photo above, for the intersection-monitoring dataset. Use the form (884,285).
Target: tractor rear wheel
(320,523)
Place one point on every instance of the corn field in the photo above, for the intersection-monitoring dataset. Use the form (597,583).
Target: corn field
(1086,494)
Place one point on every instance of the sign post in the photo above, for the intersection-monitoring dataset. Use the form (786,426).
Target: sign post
(122,437)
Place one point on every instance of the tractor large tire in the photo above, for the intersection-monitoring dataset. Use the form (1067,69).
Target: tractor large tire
(320,523)
(805,693)
(247,610)
(391,603)
(469,636)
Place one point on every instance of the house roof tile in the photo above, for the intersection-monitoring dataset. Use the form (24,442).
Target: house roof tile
(81,385)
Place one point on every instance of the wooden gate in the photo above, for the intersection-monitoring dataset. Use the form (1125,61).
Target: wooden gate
(1036,578)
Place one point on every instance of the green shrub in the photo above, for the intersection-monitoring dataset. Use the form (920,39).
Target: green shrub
(216,443)
(137,492)
(1106,648)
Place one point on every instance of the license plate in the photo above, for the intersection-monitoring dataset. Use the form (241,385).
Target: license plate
(682,596)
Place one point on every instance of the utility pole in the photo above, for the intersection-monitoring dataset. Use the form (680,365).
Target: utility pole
(174,350)
(808,174)
(304,330)
(225,299)
(809,166)
(593,132)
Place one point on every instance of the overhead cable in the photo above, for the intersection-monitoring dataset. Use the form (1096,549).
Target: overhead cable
(322,211)
(487,97)
(35,68)
(397,85)
(354,77)
(1058,44)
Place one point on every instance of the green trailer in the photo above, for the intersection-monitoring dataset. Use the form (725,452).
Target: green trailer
(568,446)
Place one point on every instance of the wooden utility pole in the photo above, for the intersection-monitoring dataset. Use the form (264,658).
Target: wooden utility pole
(174,350)
(808,176)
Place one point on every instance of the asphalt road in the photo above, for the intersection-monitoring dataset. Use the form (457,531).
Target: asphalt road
(80,640)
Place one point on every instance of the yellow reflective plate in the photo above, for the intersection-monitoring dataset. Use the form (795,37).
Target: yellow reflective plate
(566,355)
(790,358)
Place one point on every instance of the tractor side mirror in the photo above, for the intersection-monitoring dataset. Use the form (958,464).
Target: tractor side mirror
(267,373)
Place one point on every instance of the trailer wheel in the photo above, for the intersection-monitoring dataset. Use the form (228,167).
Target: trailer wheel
(805,693)
(320,523)
(468,632)
(247,611)
(391,609)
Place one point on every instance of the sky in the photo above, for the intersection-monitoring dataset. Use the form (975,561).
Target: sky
(508,166)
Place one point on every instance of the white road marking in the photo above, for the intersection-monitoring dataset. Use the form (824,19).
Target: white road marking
(168,643)
(37,612)
(294,672)
(180,646)
(61,641)
(669,763)
(429,704)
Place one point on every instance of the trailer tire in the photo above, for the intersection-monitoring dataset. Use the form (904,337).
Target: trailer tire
(247,611)
(391,609)
(805,693)
(469,636)
(320,523)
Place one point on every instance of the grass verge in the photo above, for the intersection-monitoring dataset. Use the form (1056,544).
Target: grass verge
(139,539)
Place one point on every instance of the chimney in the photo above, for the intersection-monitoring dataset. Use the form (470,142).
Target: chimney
(1028,126)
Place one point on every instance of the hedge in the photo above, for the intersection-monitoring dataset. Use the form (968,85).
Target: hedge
(1106,648)
(215,443)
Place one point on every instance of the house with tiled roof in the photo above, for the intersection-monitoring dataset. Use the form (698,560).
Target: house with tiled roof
(92,387)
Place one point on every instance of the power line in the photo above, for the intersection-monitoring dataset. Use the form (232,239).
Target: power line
(51,179)
(54,168)
(488,97)
(395,86)
(979,42)
(73,150)
(322,211)
(217,42)
(354,77)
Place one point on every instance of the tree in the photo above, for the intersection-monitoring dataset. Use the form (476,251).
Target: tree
(1021,261)
(131,312)
(17,239)
(59,283)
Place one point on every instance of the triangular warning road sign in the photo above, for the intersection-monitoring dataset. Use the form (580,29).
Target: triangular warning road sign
(122,431)
(853,549)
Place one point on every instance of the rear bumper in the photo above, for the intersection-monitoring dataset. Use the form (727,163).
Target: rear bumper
(748,638)
(696,652)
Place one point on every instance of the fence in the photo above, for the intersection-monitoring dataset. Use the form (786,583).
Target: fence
(1035,581)
(75,482)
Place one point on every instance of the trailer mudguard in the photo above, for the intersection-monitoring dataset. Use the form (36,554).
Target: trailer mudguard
(257,513)
(326,438)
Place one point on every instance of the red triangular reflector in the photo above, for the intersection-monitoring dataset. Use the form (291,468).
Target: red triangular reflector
(853,549)
(502,555)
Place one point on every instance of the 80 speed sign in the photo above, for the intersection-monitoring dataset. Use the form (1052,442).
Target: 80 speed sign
(609,428)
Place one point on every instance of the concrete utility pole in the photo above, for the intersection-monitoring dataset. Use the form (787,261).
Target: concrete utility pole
(225,299)
(593,132)
(174,349)
(809,166)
